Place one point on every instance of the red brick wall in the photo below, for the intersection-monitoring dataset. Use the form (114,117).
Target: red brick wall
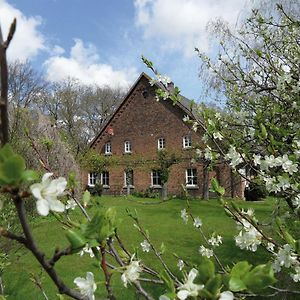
(142,121)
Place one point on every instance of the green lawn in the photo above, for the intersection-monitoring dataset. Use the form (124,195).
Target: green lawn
(164,224)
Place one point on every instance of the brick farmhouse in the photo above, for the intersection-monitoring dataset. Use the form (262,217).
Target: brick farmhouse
(138,130)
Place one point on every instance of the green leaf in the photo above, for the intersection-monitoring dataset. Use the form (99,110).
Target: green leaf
(206,270)
(214,284)
(6,152)
(216,187)
(237,274)
(236,284)
(263,131)
(29,175)
(11,169)
(260,278)
(86,198)
(77,241)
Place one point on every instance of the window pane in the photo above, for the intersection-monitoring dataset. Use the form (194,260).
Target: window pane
(105,178)
(129,177)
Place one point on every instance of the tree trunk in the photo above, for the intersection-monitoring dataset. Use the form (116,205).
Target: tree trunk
(205,193)
(164,191)
(232,184)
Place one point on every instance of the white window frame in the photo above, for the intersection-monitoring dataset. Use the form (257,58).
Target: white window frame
(104,178)
(191,177)
(161,143)
(156,176)
(187,141)
(92,178)
(107,148)
(125,179)
(127,147)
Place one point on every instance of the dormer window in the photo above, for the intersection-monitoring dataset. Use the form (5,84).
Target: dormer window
(107,149)
(187,142)
(127,147)
(161,143)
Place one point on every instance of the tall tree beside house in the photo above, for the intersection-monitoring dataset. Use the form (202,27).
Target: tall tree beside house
(79,110)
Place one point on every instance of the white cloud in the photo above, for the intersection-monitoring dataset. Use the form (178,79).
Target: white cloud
(180,24)
(84,64)
(28,41)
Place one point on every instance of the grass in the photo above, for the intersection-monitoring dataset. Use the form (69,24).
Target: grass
(164,224)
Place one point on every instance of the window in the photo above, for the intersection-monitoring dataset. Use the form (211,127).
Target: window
(155,178)
(128,178)
(105,178)
(161,143)
(191,177)
(92,178)
(187,141)
(127,147)
(107,149)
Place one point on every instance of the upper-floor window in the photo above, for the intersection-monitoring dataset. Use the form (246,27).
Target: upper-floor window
(161,143)
(128,178)
(191,177)
(92,178)
(187,141)
(107,149)
(127,147)
(155,178)
(105,178)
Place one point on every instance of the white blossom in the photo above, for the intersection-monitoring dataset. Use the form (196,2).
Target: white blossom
(132,272)
(285,257)
(242,172)
(270,246)
(234,157)
(180,264)
(184,215)
(198,152)
(215,241)
(197,222)
(195,126)
(296,201)
(287,165)
(218,116)
(145,246)
(88,249)
(71,204)
(249,237)
(189,288)
(256,159)
(296,276)
(283,182)
(218,136)
(206,251)
(87,286)
(47,192)
(227,295)
(208,154)
(164,79)
(186,118)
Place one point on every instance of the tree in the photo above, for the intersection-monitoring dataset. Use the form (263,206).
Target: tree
(25,88)
(79,111)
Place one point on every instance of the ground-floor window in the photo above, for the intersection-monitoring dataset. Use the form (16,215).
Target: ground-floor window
(128,178)
(92,178)
(105,178)
(155,178)
(191,177)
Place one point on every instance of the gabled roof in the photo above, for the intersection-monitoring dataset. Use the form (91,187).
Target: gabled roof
(183,103)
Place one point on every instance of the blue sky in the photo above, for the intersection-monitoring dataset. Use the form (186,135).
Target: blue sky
(101,41)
